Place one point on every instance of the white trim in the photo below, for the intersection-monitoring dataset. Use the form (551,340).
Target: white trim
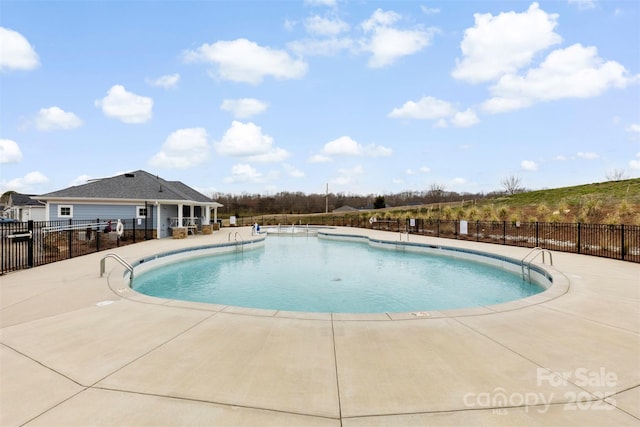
(114,201)
(60,207)
(138,211)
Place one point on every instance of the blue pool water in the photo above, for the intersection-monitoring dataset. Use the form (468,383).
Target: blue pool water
(317,275)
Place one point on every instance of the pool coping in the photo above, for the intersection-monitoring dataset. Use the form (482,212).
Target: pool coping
(118,281)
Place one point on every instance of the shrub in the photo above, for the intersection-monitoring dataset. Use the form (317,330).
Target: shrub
(472,214)
(503,213)
(542,212)
(447,213)
(487,213)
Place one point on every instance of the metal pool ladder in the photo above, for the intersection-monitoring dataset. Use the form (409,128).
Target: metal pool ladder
(235,238)
(117,258)
(528,259)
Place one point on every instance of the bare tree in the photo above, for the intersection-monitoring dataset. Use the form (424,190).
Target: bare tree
(436,192)
(616,175)
(511,184)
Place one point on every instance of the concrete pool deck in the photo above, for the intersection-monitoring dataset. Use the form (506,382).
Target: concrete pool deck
(77,349)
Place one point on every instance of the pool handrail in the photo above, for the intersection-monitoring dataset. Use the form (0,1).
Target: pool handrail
(117,258)
(535,251)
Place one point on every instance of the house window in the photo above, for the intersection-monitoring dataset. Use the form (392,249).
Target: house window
(65,211)
(141,212)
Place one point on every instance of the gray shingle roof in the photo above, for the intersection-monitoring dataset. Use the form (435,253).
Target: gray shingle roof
(138,185)
(18,199)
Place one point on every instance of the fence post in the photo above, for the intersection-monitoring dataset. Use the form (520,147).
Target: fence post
(70,237)
(30,244)
(579,233)
(133,222)
(537,235)
(438,228)
(622,249)
(98,236)
(504,232)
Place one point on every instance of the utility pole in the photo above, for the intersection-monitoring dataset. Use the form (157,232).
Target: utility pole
(326,200)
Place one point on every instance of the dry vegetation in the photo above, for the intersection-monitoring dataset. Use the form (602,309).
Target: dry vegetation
(612,202)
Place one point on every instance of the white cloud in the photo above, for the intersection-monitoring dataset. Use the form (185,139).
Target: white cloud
(168,81)
(9,151)
(502,44)
(16,53)
(320,158)
(243,108)
(423,169)
(329,3)
(465,119)
(345,146)
(635,164)
(529,165)
(380,18)
(244,61)
(289,24)
(321,47)
(387,44)
(634,128)
(430,108)
(247,140)
(275,155)
(584,4)
(429,10)
(426,108)
(574,72)
(24,184)
(125,106)
(342,146)
(80,179)
(587,155)
(54,118)
(182,149)
(320,26)
(244,173)
(292,171)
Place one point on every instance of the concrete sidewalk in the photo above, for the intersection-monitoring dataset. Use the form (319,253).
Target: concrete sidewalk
(77,349)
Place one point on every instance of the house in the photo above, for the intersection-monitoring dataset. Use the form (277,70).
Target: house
(152,202)
(23,207)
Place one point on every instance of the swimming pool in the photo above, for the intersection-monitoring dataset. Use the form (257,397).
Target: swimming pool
(348,275)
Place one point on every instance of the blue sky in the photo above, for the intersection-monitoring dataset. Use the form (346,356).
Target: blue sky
(369,97)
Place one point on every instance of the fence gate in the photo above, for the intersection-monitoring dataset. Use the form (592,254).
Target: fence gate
(16,246)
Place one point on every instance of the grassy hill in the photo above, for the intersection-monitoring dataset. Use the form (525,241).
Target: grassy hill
(609,192)
(611,202)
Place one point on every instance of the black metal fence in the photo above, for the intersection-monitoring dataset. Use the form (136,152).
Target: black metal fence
(617,241)
(34,243)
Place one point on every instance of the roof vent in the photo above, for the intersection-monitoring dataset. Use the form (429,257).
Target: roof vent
(129,175)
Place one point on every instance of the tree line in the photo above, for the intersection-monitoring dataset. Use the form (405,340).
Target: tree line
(300,203)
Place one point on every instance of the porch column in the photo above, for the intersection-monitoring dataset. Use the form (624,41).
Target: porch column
(180,206)
(191,212)
(207,214)
(158,221)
